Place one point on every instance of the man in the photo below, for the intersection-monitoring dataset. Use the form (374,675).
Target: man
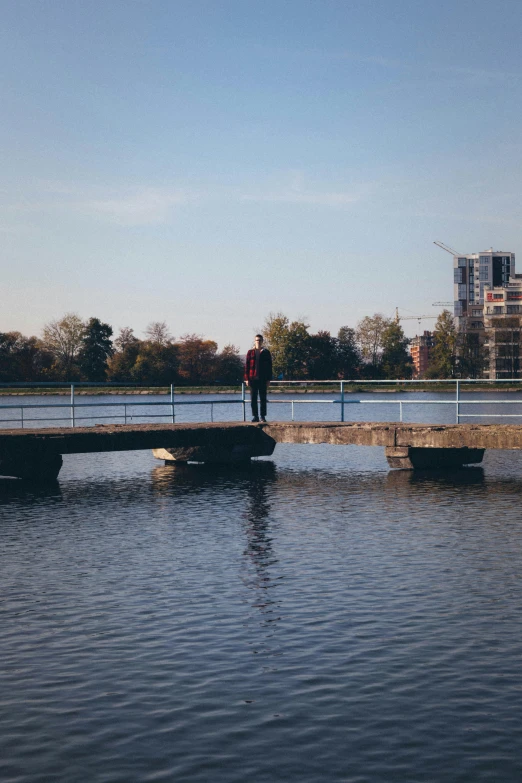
(258,374)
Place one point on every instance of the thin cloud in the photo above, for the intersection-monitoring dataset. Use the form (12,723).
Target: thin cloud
(155,206)
(315,198)
(149,206)
(298,192)
(477,75)
(138,206)
(463,217)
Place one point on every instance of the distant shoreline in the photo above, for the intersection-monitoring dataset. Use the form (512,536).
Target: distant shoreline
(207,390)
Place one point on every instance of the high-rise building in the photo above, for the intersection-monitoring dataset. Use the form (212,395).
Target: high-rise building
(473,272)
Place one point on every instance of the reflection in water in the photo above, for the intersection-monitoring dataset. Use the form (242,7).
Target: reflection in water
(259,548)
(199,477)
(175,623)
(255,481)
(410,480)
(17,490)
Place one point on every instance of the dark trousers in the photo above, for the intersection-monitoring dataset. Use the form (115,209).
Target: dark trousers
(258,388)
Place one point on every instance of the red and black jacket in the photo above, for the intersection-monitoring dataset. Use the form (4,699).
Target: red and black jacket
(265,366)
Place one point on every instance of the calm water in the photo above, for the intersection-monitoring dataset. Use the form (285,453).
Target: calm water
(313,617)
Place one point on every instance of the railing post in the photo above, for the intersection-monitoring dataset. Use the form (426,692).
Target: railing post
(342,400)
(125,411)
(243,400)
(292,410)
(211,411)
(457,402)
(72,404)
(400,410)
(22,416)
(172,402)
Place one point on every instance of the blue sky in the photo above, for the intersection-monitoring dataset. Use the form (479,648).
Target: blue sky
(207,163)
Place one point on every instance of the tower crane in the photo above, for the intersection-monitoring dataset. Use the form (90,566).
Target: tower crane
(442,304)
(447,248)
(418,318)
(415,317)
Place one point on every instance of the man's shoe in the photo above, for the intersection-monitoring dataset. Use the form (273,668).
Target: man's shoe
(255,420)
(263,419)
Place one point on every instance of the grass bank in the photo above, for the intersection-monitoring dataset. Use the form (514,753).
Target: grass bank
(306,388)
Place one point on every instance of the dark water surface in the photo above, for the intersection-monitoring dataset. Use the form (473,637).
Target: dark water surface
(313,617)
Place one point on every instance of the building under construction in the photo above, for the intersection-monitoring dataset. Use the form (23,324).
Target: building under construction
(420,350)
(488,312)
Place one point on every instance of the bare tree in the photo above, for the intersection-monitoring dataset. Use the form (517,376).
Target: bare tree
(63,339)
(369,333)
(125,338)
(158,333)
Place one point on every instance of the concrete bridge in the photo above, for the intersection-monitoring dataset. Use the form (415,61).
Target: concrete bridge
(36,454)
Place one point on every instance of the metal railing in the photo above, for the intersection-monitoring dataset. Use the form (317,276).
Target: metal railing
(124,410)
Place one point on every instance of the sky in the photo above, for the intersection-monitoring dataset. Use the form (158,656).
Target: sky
(207,163)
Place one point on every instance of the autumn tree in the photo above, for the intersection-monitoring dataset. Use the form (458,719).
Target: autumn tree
(63,339)
(289,345)
(275,333)
(197,358)
(120,366)
(229,366)
(155,364)
(23,358)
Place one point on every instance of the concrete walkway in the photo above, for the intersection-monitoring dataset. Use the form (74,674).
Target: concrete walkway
(37,453)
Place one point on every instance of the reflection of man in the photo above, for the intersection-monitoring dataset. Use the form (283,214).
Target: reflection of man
(258,374)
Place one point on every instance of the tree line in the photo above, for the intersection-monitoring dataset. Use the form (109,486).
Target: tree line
(70,349)
(74,350)
(376,349)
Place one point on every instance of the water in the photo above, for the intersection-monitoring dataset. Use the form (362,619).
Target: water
(313,617)
(428,407)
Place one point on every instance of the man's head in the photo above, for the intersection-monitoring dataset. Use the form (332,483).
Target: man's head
(258,341)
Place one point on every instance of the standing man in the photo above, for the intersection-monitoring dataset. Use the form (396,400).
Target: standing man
(258,374)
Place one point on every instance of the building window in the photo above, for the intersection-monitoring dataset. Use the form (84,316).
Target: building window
(462,262)
(484,273)
(497,310)
(484,260)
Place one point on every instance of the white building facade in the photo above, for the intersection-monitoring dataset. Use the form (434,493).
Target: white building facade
(473,273)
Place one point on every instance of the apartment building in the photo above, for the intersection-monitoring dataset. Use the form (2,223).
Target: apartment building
(420,350)
(473,274)
(502,314)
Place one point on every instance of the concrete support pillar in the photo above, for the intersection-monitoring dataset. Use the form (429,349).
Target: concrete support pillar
(225,450)
(37,467)
(413,458)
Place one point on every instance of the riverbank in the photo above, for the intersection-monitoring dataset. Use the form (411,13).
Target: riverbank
(65,391)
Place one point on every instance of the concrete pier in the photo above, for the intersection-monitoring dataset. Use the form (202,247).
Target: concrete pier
(36,454)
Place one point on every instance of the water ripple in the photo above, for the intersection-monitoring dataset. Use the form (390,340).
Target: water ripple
(313,618)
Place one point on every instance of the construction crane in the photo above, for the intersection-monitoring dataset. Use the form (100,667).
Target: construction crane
(418,318)
(447,248)
(442,304)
